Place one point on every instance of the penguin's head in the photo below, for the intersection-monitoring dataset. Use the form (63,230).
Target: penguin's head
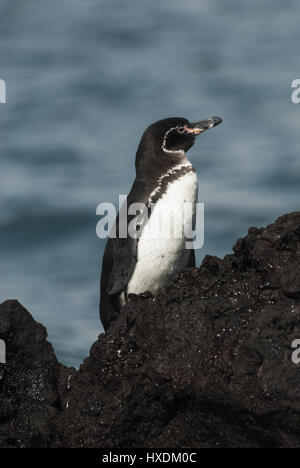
(177,135)
(171,137)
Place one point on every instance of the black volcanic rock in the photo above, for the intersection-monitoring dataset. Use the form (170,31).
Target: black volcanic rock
(205,363)
(29,400)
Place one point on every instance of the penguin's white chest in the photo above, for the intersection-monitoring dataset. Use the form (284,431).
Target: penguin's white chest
(162,249)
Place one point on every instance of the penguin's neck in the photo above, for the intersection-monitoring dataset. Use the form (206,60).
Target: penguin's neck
(169,175)
(161,163)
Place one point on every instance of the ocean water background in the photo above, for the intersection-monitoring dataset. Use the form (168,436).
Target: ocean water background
(84,79)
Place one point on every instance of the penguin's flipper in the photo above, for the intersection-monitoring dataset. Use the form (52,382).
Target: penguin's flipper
(124,261)
(124,250)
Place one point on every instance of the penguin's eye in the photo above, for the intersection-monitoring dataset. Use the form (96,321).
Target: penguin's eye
(181,129)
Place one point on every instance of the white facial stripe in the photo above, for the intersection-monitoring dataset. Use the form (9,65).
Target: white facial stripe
(165,141)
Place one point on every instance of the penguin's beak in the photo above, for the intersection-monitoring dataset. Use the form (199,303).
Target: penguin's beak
(199,127)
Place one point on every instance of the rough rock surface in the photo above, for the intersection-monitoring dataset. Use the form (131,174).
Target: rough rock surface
(205,363)
(29,400)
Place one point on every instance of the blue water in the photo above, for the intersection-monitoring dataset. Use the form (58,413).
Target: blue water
(84,79)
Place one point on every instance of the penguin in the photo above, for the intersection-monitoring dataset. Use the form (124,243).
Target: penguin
(165,181)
